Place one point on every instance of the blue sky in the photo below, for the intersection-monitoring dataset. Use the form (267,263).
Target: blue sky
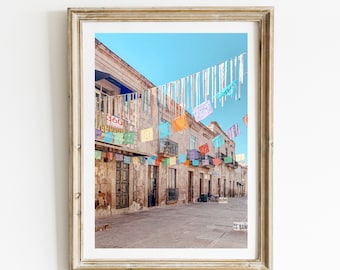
(167,57)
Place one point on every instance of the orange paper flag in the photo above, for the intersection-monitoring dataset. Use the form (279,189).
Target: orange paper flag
(245,119)
(179,123)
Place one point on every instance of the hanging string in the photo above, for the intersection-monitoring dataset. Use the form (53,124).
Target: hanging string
(197,87)
(214,85)
(235,74)
(183,95)
(188,92)
(192,91)
(225,77)
(241,67)
(221,80)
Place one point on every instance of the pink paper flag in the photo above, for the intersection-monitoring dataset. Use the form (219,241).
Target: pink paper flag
(202,111)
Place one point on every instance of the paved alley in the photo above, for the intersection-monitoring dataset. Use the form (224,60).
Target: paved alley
(195,225)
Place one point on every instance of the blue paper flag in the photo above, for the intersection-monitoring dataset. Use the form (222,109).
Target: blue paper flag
(182,158)
(164,129)
(195,162)
(218,141)
(228,91)
(108,137)
(127,159)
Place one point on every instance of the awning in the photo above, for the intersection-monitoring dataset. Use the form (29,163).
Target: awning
(99,75)
(122,149)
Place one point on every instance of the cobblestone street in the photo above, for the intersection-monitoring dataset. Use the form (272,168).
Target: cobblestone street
(195,225)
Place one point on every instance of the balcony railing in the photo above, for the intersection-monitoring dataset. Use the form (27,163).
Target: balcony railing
(171,194)
(193,154)
(230,161)
(207,161)
(168,147)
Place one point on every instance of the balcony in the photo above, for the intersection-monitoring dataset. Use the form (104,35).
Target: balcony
(167,148)
(171,195)
(193,154)
(207,161)
(230,162)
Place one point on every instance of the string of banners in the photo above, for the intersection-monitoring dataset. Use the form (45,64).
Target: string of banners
(197,94)
(201,91)
(184,159)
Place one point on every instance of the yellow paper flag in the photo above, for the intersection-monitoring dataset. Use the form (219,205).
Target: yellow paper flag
(172,161)
(147,134)
(134,160)
(240,157)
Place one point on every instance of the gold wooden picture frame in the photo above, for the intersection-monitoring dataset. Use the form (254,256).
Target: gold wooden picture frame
(114,133)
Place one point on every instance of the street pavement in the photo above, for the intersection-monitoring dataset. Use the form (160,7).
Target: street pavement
(194,225)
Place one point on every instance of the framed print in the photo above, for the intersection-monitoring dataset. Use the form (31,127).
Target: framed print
(171,137)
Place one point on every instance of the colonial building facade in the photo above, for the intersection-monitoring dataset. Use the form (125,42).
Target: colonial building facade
(138,164)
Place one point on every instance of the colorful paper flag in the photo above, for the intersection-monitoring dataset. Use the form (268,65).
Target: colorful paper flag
(182,158)
(217,161)
(142,160)
(228,159)
(134,160)
(195,162)
(147,134)
(119,157)
(202,111)
(193,154)
(245,120)
(158,161)
(233,131)
(98,154)
(98,133)
(187,162)
(118,137)
(218,141)
(165,161)
(172,161)
(164,129)
(179,123)
(127,160)
(110,156)
(205,162)
(240,157)
(108,137)
(204,149)
(151,161)
(228,90)
(129,137)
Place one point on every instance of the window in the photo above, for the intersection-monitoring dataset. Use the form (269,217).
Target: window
(171,191)
(172,178)
(192,142)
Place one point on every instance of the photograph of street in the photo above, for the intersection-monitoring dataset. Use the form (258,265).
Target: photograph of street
(171,140)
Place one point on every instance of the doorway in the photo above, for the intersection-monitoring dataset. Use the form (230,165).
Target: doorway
(190,187)
(122,185)
(201,184)
(152,187)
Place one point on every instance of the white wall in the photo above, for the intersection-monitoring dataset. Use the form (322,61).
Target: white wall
(34,134)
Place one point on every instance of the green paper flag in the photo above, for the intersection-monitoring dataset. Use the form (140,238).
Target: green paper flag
(228,159)
(129,137)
